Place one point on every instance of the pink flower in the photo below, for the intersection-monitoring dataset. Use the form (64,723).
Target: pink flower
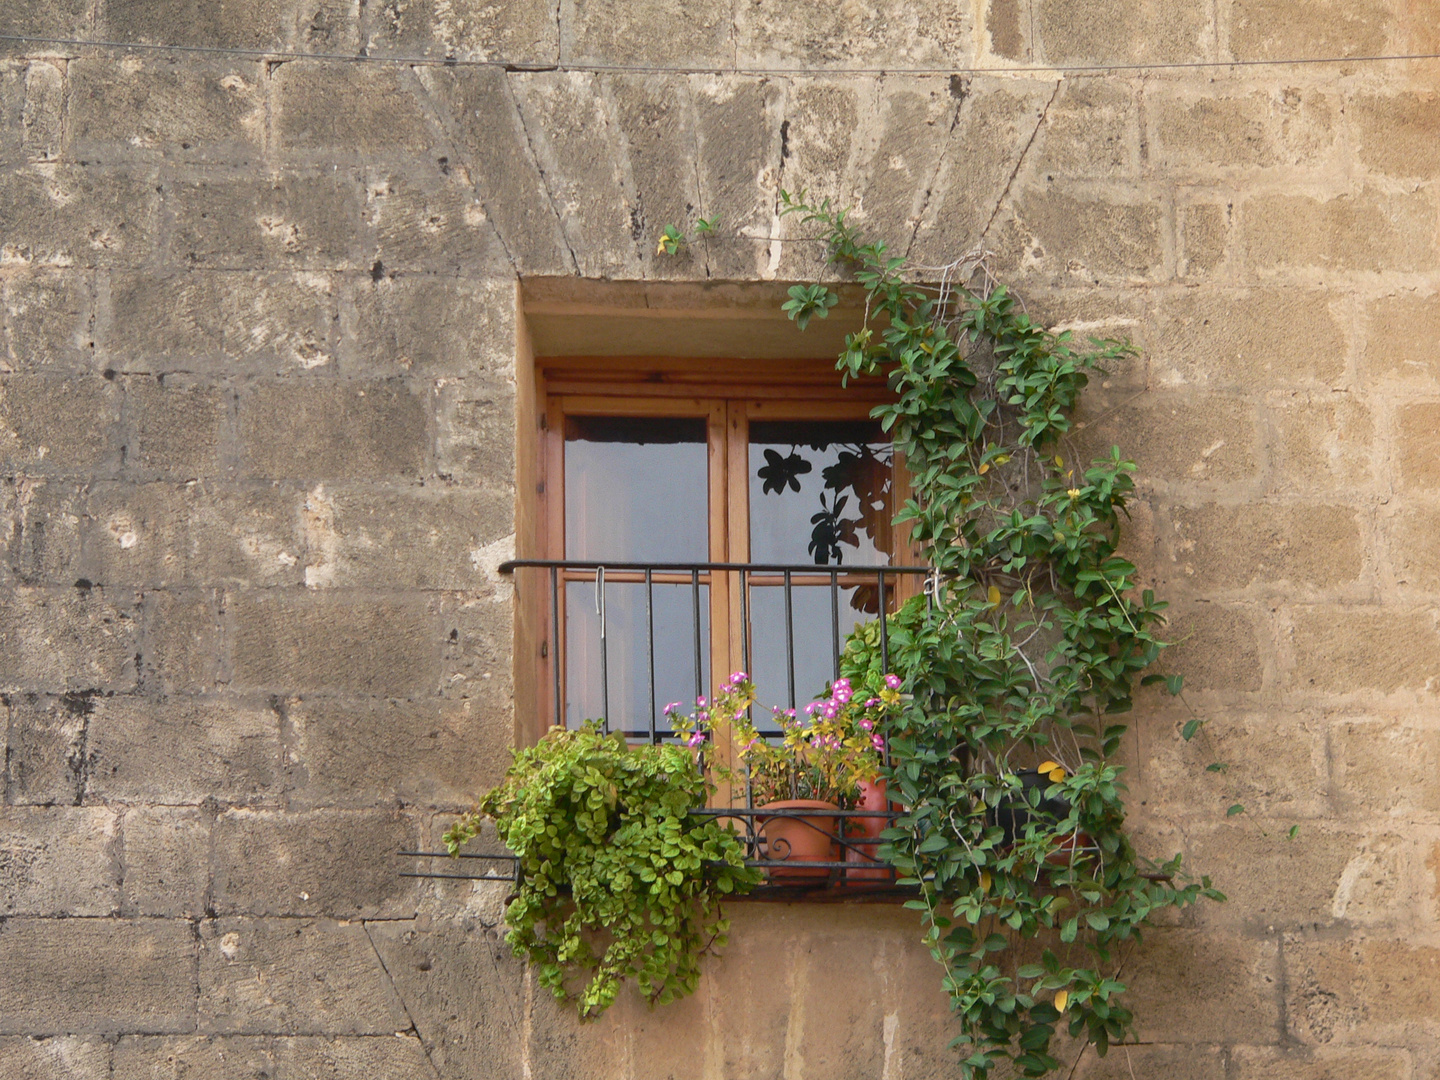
(892,681)
(830,712)
(867,724)
(738,677)
(700,701)
(877,742)
(696,739)
(790,713)
(672,707)
(872,703)
(703,717)
(739,714)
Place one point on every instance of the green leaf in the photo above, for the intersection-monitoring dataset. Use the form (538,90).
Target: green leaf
(1235,809)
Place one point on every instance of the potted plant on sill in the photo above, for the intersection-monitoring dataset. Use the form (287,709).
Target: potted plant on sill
(829,761)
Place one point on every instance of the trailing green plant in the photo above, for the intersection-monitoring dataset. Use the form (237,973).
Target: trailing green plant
(617,879)
(1027,645)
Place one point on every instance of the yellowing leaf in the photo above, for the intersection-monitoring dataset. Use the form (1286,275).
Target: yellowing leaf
(984,881)
(1062,999)
(983,469)
(1059,461)
(1046,766)
(660,248)
(1057,774)
(994,595)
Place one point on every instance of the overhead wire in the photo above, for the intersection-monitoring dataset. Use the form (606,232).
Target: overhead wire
(286,56)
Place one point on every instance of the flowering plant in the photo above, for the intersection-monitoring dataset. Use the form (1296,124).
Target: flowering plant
(827,755)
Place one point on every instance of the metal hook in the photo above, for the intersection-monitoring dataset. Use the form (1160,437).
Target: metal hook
(600,597)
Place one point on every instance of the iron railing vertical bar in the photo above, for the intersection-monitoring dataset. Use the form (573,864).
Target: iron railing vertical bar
(555,643)
(699,659)
(650,645)
(745,623)
(604,654)
(835,621)
(884,631)
(789,640)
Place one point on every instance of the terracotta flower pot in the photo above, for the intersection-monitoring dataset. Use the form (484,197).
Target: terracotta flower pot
(799,839)
(864,834)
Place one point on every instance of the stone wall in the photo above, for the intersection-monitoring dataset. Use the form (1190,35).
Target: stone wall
(258,338)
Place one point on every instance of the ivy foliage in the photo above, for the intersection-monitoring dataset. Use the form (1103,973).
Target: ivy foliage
(1025,649)
(618,880)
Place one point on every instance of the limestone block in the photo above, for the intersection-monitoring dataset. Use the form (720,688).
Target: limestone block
(523,32)
(494,146)
(1368,230)
(1173,437)
(1120,31)
(1218,647)
(431,539)
(167,861)
(258,24)
(46,18)
(1094,237)
(1276,548)
(1321,877)
(581,160)
(233,221)
(881,33)
(430,326)
(909,125)
(397,1054)
(72,640)
(754,1010)
(193,112)
(1204,230)
(70,215)
(1007,31)
(366,430)
(1194,984)
(1321,1063)
(647,34)
(475,442)
(1397,134)
(738,148)
(59,860)
(1417,449)
(1386,766)
(44,111)
(12,112)
(1202,133)
(1401,335)
(233,323)
(174,426)
(1347,650)
(185,643)
(102,976)
(557,1041)
(351,111)
(1320,442)
(183,751)
(1414,555)
(341,644)
(1175,1062)
(1282,29)
(448,974)
(431,221)
(1242,338)
(65,1058)
(46,316)
(478,646)
(58,425)
(321,863)
(1104,314)
(1278,765)
(1091,129)
(424,753)
(195,1057)
(1360,990)
(294,976)
(46,748)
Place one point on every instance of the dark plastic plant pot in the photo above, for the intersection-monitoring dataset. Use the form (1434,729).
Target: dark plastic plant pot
(798,838)
(1014,813)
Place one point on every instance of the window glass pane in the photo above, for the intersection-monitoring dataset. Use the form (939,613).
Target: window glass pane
(820,492)
(626,653)
(636,489)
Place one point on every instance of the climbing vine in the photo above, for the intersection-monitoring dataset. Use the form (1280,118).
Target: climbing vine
(1017,662)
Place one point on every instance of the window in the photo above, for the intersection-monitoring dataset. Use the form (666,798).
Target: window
(698,516)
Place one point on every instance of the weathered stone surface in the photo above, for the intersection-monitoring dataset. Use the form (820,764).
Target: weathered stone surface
(167,861)
(47,321)
(1231,339)
(1096,239)
(476,438)
(1321,1063)
(57,18)
(1173,437)
(1417,449)
(1199,134)
(71,640)
(61,860)
(479,631)
(1204,238)
(1123,30)
(1397,135)
(1197,984)
(1091,129)
(1279,29)
(46,748)
(324,863)
(887,33)
(1369,230)
(351,111)
(349,431)
(58,426)
(1321,443)
(102,976)
(738,141)
(347,644)
(644,34)
(1386,766)
(1356,649)
(233,221)
(1401,333)
(396,1054)
(1379,988)
(44,113)
(175,426)
(222,322)
(293,977)
(430,326)
(67,215)
(184,640)
(1220,648)
(426,753)
(1174,1062)
(525,32)
(1414,556)
(63,1058)
(259,24)
(195,1057)
(432,221)
(179,751)
(161,108)
(1285,548)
